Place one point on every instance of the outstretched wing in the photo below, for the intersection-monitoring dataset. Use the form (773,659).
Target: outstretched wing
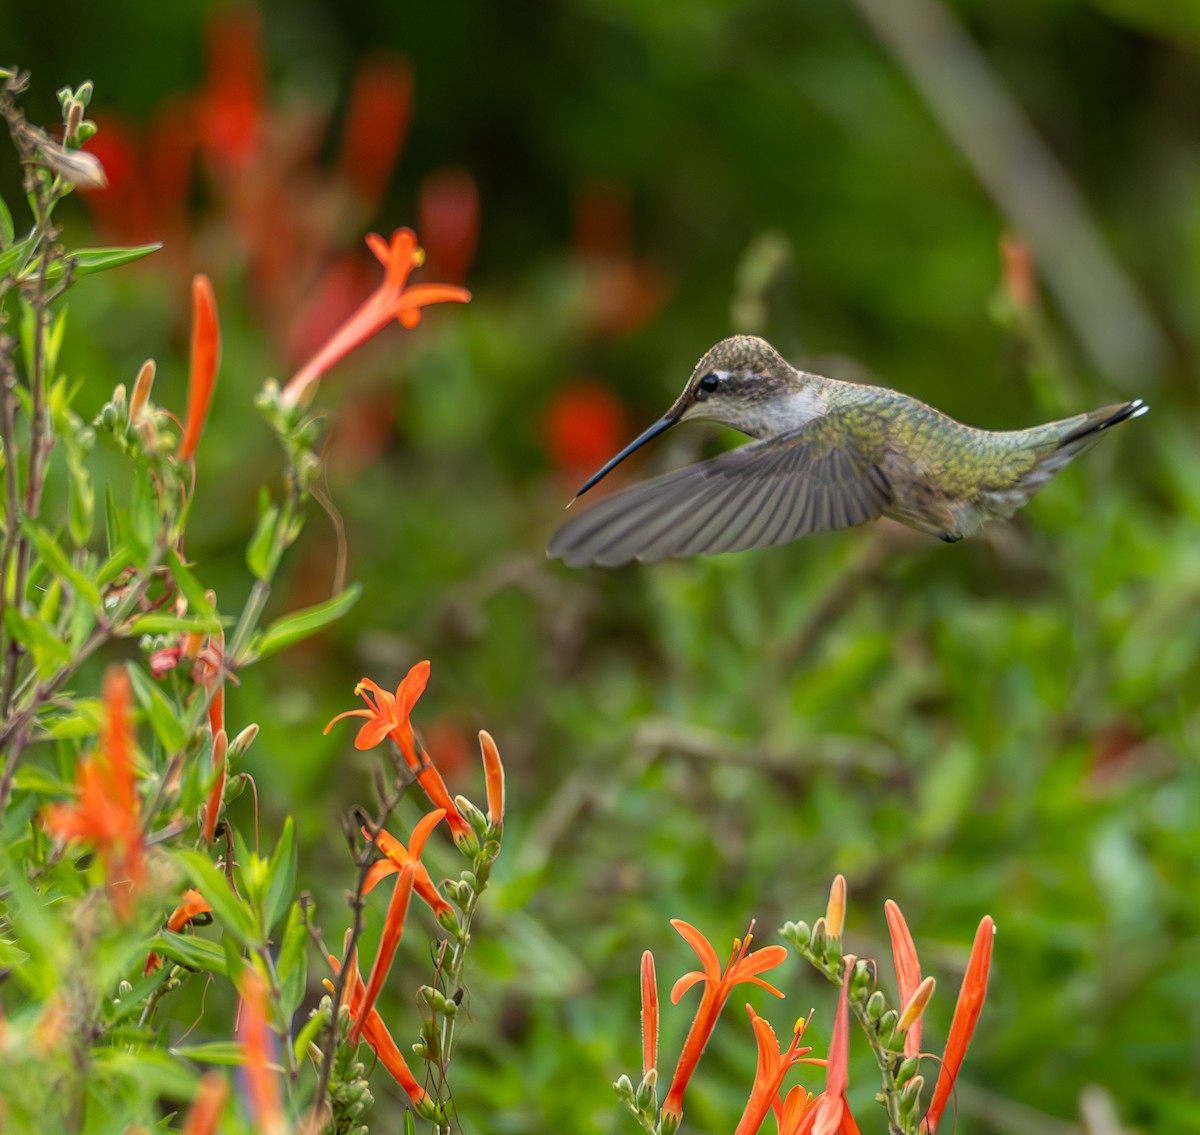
(768,492)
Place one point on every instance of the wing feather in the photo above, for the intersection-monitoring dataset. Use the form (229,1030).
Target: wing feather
(768,492)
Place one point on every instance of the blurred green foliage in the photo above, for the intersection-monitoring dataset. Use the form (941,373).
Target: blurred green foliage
(1009,726)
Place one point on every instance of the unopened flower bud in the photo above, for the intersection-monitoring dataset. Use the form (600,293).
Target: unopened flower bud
(798,933)
(910,1097)
(647,1094)
(907,1070)
(916,1005)
(243,740)
(835,910)
(876,1004)
(623,1086)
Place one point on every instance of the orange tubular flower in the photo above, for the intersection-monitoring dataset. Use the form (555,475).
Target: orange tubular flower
(391,300)
(376,1034)
(831,1113)
(397,856)
(649,1015)
(908,969)
(254,1035)
(962,1025)
(206,358)
(773,1065)
(106,813)
(203,1115)
(718,985)
(388,716)
(216,794)
(393,928)
(194,905)
(493,775)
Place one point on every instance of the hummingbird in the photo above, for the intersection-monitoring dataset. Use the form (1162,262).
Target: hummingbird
(827,455)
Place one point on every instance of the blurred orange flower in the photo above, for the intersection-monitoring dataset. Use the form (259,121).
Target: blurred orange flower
(583,427)
(107,811)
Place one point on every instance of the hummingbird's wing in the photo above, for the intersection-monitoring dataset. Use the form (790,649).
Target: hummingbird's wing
(768,492)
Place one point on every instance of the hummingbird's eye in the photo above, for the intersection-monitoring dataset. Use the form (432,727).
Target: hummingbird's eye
(710,382)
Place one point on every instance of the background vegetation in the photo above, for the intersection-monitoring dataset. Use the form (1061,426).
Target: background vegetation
(1008,726)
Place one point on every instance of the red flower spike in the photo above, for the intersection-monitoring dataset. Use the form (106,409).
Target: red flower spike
(773,1066)
(391,300)
(962,1025)
(254,1035)
(393,928)
(388,716)
(106,813)
(908,969)
(448,206)
(493,775)
(397,856)
(718,984)
(209,1102)
(206,358)
(376,1034)
(376,125)
(649,1015)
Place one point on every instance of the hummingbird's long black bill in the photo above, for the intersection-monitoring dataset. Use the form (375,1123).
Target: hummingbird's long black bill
(663,423)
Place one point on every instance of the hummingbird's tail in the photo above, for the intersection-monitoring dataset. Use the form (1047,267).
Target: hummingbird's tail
(1091,424)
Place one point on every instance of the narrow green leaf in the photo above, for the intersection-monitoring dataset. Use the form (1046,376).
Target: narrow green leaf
(87,261)
(112,522)
(59,563)
(258,551)
(228,1052)
(7,231)
(165,722)
(307,1035)
(281,876)
(169,624)
(48,652)
(234,914)
(292,963)
(13,261)
(307,621)
(81,502)
(193,592)
(188,950)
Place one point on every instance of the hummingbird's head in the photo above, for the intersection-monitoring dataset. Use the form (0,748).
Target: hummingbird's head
(733,383)
(736,383)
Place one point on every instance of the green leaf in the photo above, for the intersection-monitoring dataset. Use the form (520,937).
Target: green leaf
(259,551)
(165,722)
(234,914)
(6,224)
(307,621)
(13,260)
(48,652)
(87,261)
(59,563)
(292,963)
(83,719)
(81,502)
(188,950)
(228,1052)
(150,1072)
(281,877)
(169,624)
(193,592)
(112,524)
(307,1034)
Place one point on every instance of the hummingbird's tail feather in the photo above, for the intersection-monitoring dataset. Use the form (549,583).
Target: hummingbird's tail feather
(1101,419)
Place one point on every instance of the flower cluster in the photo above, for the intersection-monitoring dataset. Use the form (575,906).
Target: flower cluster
(894,1035)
